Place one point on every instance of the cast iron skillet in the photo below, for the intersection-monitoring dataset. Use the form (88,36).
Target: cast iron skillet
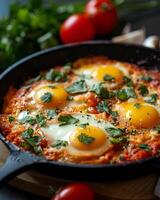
(19,161)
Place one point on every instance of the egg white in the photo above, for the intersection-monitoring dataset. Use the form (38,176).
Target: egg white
(55,132)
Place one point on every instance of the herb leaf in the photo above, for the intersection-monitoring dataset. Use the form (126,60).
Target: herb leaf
(28,119)
(41,120)
(137,105)
(152,99)
(128,81)
(67,119)
(60,143)
(31,141)
(56,75)
(46,97)
(108,77)
(158,128)
(77,87)
(145,147)
(51,113)
(100,90)
(103,107)
(146,78)
(85,139)
(117,140)
(114,132)
(143,90)
(11,119)
(126,93)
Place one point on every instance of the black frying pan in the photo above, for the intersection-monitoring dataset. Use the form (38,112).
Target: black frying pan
(19,161)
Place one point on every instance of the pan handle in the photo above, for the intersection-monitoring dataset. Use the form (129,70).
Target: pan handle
(17,162)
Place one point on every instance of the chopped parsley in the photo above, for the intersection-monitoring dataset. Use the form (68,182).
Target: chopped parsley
(83,125)
(60,143)
(128,81)
(46,97)
(77,87)
(118,140)
(114,114)
(143,90)
(103,107)
(100,90)
(126,93)
(41,120)
(85,76)
(85,139)
(51,113)
(114,132)
(108,78)
(56,75)
(67,119)
(137,105)
(151,99)
(158,128)
(31,141)
(145,147)
(28,119)
(33,80)
(11,119)
(146,78)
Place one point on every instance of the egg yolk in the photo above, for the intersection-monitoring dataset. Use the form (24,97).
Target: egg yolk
(88,138)
(112,71)
(140,115)
(49,96)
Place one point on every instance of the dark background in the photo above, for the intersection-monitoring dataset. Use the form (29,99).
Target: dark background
(150,20)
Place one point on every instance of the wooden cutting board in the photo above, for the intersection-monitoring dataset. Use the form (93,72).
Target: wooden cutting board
(136,189)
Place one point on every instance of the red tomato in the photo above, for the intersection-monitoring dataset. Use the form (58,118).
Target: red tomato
(76,191)
(103,15)
(77,28)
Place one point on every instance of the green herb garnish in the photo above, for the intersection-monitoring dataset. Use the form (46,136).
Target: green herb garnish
(28,119)
(31,141)
(56,75)
(103,107)
(146,78)
(46,97)
(85,139)
(51,113)
(60,143)
(126,93)
(11,119)
(67,119)
(77,87)
(151,99)
(100,90)
(143,90)
(108,78)
(128,81)
(145,147)
(118,140)
(83,125)
(114,114)
(158,128)
(33,80)
(114,132)
(137,105)
(41,120)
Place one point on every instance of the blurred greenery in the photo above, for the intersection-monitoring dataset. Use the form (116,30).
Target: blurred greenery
(31,27)
(35,26)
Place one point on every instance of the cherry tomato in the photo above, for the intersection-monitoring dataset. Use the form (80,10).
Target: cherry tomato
(103,15)
(76,191)
(77,28)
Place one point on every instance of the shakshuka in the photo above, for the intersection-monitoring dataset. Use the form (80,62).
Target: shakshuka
(93,111)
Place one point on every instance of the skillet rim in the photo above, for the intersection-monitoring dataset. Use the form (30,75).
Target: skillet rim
(61,47)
